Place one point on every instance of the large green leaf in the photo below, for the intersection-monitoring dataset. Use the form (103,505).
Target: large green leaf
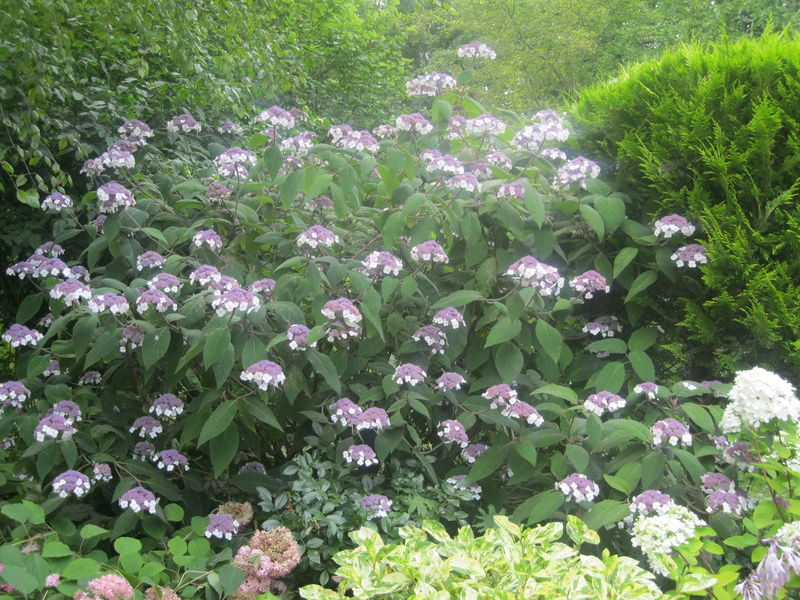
(218,421)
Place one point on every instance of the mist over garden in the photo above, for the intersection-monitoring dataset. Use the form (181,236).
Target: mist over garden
(401,300)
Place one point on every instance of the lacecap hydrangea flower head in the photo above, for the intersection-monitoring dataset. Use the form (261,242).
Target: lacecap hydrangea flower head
(757,397)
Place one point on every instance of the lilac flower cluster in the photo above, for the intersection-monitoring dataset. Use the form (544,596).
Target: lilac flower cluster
(690,255)
(651,502)
(524,412)
(13,393)
(67,409)
(114,198)
(205,275)
(149,259)
(433,336)
(54,267)
(512,189)
(90,378)
(385,131)
(589,282)
(435,161)
(345,411)
(147,426)
(647,388)
(275,115)
(138,499)
(485,124)
(298,337)
(577,170)
(532,273)
(578,488)
(603,401)
(342,309)
(155,299)
(57,202)
(143,451)
(52,369)
(132,338)
(166,282)
(171,460)
(107,587)
(101,472)
(548,126)
(230,127)
(235,299)
(360,140)
(52,426)
(264,374)
(414,123)
(501,395)
(429,252)
(114,303)
(464,181)
(217,192)
(498,159)
(476,50)
(471,453)
(673,431)
(116,158)
(209,238)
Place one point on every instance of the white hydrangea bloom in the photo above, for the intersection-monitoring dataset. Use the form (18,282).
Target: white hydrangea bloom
(661,533)
(758,396)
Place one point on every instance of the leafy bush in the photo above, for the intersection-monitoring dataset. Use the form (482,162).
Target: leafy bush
(711,133)
(506,562)
(349,333)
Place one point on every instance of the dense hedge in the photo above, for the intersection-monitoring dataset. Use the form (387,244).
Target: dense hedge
(712,133)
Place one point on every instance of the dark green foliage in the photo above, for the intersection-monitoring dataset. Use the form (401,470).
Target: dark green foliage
(712,133)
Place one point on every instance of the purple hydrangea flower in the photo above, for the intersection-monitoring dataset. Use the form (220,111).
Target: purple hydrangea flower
(53,425)
(275,115)
(432,84)
(171,460)
(481,169)
(408,373)
(651,501)
(71,291)
(46,320)
(93,166)
(184,122)
(429,252)
(666,227)
(149,259)
(377,505)
(532,273)
(225,284)
(433,336)
(67,409)
(501,395)
(132,337)
(345,411)
(233,171)
(339,132)
(726,502)
(453,432)
(385,131)
(167,405)
(262,286)
(101,472)
(138,499)
(485,124)
(578,169)
(578,488)
(155,299)
(524,412)
(673,431)
(647,388)
(90,378)
(471,453)
(604,326)
(54,267)
(99,222)
(19,335)
(373,418)
(204,275)
(299,144)
(147,426)
(320,202)
(114,303)
(512,189)
(377,264)
(690,255)
(603,401)
(342,308)
(498,159)
(317,235)
(589,282)
(217,192)
(449,317)
(71,483)
(114,197)
(143,451)
(13,393)
(548,126)
(450,381)
(52,369)
(740,456)
(116,159)
(222,526)
(253,467)
(414,123)
(264,373)
(360,454)
(360,140)
(235,299)
(553,154)
(456,127)
(166,282)
(341,331)
(464,181)
(21,269)
(130,144)
(79,272)
(135,127)
(57,201)
(476,50)
(298,337)
(209,238)
(230,127)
